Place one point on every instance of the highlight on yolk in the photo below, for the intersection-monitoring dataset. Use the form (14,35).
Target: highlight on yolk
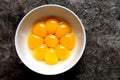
(68,40)
(51,57)
(62,52)
(39,29)
(51,40)
(51,26)
(34,41)
(39,52)
(63,29)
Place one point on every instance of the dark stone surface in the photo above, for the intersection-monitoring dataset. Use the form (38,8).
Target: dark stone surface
(101,59)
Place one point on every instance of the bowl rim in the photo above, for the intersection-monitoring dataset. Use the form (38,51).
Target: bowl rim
(51,5)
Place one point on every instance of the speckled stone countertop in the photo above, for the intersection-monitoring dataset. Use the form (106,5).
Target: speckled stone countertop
(101,58)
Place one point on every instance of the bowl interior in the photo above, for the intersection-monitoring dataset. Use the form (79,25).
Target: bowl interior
(25,26)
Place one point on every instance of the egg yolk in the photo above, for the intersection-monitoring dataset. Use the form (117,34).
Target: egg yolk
(39,29)
(63,29)
(68,40)
(34,41)
(62,52)
(51,26)
(39,52)
(51,40)
(51,57)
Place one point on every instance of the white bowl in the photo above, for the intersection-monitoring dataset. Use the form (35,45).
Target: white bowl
(24,28)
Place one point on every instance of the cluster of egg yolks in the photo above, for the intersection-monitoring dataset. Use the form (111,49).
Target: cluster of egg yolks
(51,40)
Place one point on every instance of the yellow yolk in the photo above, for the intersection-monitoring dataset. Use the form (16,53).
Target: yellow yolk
(50,57)
(51,40)
(68,40)
(34,41)
(63,29)
(39,52)
(62,52)
(39,29)
(51,26)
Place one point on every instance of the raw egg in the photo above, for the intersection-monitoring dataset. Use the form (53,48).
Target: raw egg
(34,41)
(51,26)
(39,29)
(68,40)
(62,52)
(63,29)
(51,57)
(51,40)
(39,52)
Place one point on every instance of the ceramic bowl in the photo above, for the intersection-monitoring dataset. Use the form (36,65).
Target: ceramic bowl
(25,26)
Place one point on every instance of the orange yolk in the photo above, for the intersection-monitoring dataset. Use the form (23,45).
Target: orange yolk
(51,57)
(68,40)
(62,52)
(51,26)
(39,29)
(39,52)
(63,29)
(34,41)
(51,40)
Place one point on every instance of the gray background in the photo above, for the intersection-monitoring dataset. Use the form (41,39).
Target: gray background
(101,58)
